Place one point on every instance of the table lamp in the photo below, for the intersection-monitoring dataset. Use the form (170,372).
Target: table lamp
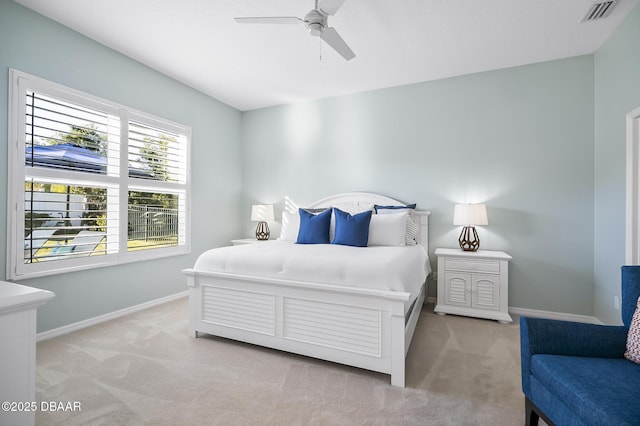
(261,213)
(470,215)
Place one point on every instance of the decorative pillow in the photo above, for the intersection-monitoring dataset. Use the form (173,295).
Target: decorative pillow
(351,208)
(291,223)
(633,338)
(412,226)
(314,228)
(379,207)
(290,226)
(352,230)
(411,236)
(388,229)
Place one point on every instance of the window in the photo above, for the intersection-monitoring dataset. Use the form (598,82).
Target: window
(91,183)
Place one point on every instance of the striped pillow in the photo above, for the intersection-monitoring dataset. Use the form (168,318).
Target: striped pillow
(633,338)
(411,238)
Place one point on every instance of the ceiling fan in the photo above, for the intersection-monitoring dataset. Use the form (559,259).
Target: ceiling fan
(316,21)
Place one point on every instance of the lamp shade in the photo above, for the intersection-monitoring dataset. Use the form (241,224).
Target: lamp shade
(470,215)
(262,212)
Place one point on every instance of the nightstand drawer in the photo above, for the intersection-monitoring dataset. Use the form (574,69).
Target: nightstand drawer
(486,266)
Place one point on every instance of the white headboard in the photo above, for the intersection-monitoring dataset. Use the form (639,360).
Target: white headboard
(366,198)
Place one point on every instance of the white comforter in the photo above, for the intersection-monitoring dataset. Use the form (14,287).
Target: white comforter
(402,269)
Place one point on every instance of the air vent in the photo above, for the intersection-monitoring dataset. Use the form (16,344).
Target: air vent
(598,11)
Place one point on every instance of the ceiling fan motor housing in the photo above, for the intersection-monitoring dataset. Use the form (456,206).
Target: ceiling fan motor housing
(316,21)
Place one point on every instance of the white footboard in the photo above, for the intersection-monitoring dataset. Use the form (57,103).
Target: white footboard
(358,327)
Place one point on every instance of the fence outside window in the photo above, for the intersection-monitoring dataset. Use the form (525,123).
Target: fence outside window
(153,224)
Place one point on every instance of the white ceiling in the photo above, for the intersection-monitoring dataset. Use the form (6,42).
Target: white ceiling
(396,42)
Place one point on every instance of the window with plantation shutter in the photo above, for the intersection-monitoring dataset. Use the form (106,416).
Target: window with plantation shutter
(91,182)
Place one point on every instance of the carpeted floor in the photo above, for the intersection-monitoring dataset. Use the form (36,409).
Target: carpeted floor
(143,369)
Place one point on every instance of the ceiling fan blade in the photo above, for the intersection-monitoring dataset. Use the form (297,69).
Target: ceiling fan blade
(268,20)
(330,7)
(333,39)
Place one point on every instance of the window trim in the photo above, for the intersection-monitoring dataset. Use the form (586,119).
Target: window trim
(19,83)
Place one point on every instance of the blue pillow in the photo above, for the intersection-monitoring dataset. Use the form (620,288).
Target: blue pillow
(351,230)
(408,206)
(314,228)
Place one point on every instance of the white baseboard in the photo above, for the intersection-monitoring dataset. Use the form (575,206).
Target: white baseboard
(50,334)
(535,313)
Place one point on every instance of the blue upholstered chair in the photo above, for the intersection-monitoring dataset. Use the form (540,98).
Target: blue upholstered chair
(576,374)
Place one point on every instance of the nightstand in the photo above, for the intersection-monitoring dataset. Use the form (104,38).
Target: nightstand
(242,241)
(473,284)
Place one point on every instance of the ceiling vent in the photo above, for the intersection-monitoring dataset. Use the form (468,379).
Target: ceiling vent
(598,11)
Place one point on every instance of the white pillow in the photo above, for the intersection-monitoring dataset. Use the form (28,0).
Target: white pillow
(290,226)
(388,229)
(411,231)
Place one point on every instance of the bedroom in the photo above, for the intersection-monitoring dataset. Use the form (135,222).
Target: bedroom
(541,144)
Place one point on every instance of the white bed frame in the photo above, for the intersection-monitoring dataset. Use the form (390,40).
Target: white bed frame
(353,326)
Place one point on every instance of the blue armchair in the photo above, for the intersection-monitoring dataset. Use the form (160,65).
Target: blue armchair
(576,374)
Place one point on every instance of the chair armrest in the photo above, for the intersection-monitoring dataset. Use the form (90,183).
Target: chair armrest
(543,336)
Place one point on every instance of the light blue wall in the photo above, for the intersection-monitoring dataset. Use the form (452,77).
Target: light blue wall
(519,139)
(617,92)
(39,46)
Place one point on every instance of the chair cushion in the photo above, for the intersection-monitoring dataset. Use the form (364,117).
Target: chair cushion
(598,390)
(633,337)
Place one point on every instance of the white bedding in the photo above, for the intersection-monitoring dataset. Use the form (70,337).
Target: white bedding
(402,269)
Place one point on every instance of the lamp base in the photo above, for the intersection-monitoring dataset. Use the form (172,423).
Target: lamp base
(469,240)
(262,231)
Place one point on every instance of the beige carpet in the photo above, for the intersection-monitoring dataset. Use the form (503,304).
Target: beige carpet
(143,369)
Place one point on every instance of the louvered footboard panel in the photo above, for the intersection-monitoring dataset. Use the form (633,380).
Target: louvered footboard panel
(349,328)
(243,310)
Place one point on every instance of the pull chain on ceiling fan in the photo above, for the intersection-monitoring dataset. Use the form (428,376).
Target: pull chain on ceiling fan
(316,21)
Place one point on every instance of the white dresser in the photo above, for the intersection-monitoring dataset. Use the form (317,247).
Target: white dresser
(18,309)
(474,284)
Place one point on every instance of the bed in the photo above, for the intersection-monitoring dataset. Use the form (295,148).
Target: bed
(337,307)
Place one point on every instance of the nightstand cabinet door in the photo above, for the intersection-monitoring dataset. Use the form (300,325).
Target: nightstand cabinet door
(457,289)
(486,292)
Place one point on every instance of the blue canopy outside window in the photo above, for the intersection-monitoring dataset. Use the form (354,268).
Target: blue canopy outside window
(71,157)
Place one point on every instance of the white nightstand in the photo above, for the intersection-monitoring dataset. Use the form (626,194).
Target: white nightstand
(242,241)
(474,284)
